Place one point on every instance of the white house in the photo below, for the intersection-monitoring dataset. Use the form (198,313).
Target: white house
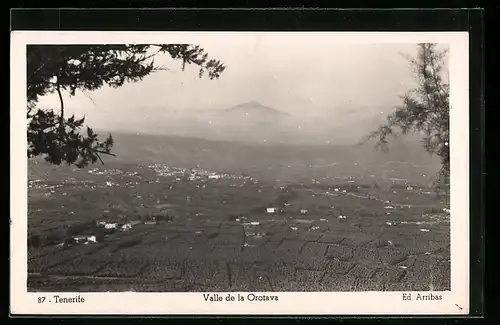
(271,210)
(79,239)
(91,239)
(111,225)
(303,211)
(126,227)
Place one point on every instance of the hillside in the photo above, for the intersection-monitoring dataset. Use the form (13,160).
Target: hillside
(272,160)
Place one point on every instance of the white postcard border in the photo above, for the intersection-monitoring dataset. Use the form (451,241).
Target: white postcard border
(454,302)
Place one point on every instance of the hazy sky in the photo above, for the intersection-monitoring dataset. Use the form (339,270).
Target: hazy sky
(306,77)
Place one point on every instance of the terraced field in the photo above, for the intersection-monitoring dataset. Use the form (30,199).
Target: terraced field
(189,231)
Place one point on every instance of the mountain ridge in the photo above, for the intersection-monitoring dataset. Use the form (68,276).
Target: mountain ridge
(254,107)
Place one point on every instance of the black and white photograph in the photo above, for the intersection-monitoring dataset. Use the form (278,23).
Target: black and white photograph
(245,165)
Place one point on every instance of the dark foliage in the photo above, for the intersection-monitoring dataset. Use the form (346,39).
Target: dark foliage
(425,110)
(59,68)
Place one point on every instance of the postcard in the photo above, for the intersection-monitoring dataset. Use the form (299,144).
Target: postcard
(226,173)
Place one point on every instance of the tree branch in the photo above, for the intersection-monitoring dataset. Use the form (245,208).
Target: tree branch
(104,152)
(61,118)
(100,159)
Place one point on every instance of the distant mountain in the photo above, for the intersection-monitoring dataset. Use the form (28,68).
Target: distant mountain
(253,109)
(249,115)
(251,121)
(255,122)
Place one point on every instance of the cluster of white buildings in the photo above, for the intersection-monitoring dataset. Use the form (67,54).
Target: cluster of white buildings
(194,173)
(115,226)
(38,184)
(98,171)
(167,171)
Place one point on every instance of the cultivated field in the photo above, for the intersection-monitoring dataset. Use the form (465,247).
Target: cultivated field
(150,227)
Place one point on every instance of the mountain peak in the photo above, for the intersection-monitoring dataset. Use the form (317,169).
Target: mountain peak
(254,107)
